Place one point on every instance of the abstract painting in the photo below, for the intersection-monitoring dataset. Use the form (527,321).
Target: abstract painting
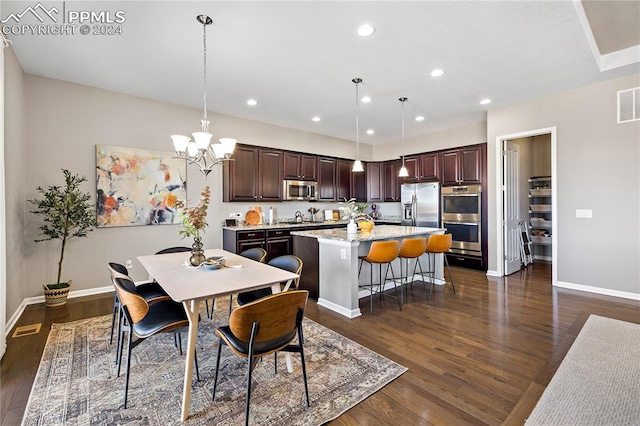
(138,186)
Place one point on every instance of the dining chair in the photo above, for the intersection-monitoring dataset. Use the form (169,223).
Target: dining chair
(145,320)
(150,291)
(380,253)
(287,262)
(439,244)
(263,327)
(257,254)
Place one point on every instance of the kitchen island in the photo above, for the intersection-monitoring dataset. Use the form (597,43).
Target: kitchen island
(330,259)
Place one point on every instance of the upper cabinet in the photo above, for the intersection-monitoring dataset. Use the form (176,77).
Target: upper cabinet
(412,164)
(359,184)
(255,174)
(462,166)
(391,180)
(375,183)
(429,166)
(327,179)
(300,166)
(343,179)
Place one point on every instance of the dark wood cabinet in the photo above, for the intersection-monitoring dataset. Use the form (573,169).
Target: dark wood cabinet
(391,180)
(269,181)
(429,166)
(327,179)
(240,175)
(255,174)
(413,168)
(343,179)
(375,183)
(239,241)
(359,185)
(462,166)
(299,166)
(278,243)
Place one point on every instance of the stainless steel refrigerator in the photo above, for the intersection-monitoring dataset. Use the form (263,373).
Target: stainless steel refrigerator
(421,204)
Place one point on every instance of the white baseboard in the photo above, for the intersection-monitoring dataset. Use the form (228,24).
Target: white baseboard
(491,273)
(599,290)
(349,313)
(40,299)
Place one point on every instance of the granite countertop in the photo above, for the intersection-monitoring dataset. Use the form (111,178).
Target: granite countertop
(379,232)
(286,225)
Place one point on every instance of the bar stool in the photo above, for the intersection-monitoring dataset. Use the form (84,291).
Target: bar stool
(439,244)
(380,252)
(412,248)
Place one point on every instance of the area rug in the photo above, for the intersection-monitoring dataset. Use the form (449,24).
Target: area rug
(598,382)
(77,381)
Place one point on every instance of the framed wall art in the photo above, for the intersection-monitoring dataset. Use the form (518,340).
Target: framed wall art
(137,186)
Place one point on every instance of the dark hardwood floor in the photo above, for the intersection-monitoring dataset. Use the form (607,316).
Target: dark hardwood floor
(481,356)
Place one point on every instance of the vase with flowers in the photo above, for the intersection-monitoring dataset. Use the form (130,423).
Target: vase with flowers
(193,222)
(350,211)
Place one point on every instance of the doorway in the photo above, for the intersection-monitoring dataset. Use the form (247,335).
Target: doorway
(506,179)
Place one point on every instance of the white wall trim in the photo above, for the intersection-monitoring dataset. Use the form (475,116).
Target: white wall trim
(598,290)
(40,299)
(554,194)
(339,309)
(3,219)
(492,273)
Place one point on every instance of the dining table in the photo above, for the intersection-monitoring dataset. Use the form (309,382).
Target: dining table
(190,285)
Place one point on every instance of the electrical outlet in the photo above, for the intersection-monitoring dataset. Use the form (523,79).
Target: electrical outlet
(129,264)
(343,254)
(584,213)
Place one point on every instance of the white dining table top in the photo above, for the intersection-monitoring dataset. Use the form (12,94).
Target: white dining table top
(183,282)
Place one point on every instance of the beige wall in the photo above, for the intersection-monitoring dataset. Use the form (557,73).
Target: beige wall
(469,134)
(71,119)
(598,168)
(541,155)
(15,171)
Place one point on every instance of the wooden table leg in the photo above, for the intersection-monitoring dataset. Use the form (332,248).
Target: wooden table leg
(192,307)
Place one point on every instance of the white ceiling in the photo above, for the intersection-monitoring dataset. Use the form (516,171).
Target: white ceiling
(297,59)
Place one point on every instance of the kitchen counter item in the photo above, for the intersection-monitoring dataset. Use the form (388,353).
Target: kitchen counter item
(298,217)
(252,217)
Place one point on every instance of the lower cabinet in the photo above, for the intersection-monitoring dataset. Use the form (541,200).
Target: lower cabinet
(276,242)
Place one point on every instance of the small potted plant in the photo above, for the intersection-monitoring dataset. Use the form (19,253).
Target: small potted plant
(67,213)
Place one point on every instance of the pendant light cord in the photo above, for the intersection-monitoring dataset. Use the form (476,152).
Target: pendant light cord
(204,79)
(357,123)
(403,101)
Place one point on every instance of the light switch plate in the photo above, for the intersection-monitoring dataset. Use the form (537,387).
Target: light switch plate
(584,213)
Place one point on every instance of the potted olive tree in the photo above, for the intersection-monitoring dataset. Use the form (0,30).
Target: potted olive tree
(67,213)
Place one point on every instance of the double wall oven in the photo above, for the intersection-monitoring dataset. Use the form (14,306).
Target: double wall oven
(462,217)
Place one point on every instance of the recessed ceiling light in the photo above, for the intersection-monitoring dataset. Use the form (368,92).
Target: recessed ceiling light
(370,132)
(365,30)
(485,101)
(252,102)
(316,119)
(366,99)
(419,118)
(437,72)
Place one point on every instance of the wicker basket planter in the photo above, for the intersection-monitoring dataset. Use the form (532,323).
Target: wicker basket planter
(55,297)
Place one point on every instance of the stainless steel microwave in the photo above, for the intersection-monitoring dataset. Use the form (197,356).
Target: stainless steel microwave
(300,190)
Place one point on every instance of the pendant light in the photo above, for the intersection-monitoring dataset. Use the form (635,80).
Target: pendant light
(357,165)
(200,151)
(403,170)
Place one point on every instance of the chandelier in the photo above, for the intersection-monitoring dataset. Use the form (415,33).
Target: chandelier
(200,151)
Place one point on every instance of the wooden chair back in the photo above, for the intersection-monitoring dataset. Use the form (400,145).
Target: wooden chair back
(277,315)
(118,271)
(129,297)
(174,250)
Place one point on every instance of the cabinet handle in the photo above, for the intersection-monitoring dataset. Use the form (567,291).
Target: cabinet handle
(251,235)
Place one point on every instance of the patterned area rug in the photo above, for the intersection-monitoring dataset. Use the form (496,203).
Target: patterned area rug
(76,383)
(598,381)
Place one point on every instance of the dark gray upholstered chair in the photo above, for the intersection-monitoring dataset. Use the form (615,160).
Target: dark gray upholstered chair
(263,327)
(287,262)
(145,320)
